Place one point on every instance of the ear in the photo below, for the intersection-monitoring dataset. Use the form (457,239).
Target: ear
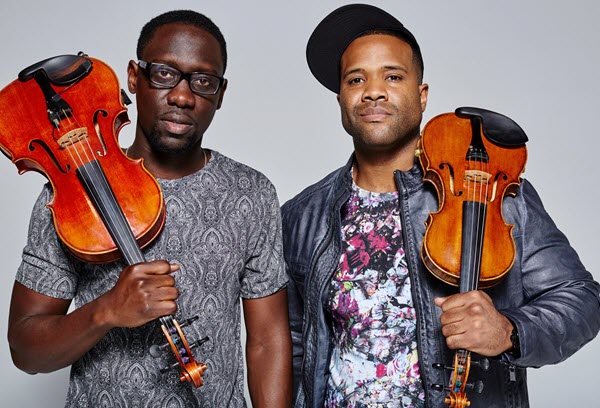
(221,93)
(424,92)
(133,71)
(338,98)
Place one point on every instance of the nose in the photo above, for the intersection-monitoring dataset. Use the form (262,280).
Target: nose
(181,95)
(375,90)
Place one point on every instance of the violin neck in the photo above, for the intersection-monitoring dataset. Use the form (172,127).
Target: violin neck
(473,226)
(94,181)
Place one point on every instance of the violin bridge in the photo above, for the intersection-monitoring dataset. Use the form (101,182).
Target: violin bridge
(72,137)
(477,176)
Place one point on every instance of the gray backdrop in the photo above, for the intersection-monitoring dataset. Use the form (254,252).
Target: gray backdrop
(537,63)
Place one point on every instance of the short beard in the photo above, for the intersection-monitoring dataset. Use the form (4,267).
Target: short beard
(389,136)
(155,142)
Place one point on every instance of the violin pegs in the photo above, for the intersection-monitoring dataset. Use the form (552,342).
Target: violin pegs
(477,386)
(439,387)
(156,350)
(168,368)
(440,366)
(189,321)
(483,364)
(199,342)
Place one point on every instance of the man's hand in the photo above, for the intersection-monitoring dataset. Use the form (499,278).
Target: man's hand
(144,292)
(471,322)
(44,338)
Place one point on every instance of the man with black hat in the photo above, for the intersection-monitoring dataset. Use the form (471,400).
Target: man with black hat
(370,326)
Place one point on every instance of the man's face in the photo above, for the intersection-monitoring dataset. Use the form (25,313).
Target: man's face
(174,120)
(380,97)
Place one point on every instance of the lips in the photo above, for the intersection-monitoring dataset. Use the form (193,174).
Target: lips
(176,124)
(374,114)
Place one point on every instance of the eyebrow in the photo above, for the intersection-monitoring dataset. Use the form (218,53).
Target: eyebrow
(396,68)
(385,67)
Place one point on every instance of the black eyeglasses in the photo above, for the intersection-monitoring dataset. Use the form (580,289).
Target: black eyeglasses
(165,76)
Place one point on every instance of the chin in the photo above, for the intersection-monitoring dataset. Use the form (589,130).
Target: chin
(171,145)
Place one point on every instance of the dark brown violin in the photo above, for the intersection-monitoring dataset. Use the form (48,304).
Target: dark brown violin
(474,158)
(61,118)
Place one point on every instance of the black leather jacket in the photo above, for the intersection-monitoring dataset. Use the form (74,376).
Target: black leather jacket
(553,301)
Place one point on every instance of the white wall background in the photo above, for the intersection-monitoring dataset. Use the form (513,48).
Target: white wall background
(536,62)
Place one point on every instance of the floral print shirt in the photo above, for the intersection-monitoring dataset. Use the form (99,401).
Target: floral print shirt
(374,362)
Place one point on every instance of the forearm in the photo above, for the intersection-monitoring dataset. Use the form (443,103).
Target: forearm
(270,372)
(554,326)
(557,310)
(44,338)
(45,343)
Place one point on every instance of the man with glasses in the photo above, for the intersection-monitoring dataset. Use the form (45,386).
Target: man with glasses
(221,241)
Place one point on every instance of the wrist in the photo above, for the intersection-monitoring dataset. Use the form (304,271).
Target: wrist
(101,314)
(515,341)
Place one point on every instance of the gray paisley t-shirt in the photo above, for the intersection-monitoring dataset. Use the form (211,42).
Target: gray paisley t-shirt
(223,228)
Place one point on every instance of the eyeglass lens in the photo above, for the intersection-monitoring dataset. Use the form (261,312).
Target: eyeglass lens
(164,75)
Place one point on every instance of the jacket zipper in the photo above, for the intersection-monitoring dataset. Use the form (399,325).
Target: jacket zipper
(411,272)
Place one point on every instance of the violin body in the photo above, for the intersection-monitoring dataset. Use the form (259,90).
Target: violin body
(446,140)
(473,158)
(30,140)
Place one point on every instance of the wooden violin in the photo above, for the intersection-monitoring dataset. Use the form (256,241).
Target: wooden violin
(61,118)
(474,158)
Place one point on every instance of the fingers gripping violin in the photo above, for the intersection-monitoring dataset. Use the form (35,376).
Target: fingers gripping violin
(61,118)
(474,158)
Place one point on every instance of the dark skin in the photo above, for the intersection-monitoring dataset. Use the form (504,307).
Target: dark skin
(382,101)
(169,131)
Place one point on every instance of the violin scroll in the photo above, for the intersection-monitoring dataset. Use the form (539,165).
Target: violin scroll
(191,370)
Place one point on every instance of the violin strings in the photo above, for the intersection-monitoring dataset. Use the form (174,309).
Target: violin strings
(481,210)
(476,221)
(127,248)
(472,191)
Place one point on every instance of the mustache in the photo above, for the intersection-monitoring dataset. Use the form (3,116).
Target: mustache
(176,116)
(374,107)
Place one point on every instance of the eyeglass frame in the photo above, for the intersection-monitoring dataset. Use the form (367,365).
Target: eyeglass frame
(145,66)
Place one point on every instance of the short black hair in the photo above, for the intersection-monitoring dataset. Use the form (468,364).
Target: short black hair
(417,57)
(185,17)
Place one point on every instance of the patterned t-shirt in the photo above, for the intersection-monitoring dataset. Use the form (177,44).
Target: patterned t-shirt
(374,362)
(223,229)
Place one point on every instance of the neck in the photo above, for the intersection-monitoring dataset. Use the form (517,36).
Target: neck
(169,165)
(374,170)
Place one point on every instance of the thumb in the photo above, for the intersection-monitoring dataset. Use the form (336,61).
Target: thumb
(439,301)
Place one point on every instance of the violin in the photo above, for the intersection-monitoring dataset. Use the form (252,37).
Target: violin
(61,118)
(474,158)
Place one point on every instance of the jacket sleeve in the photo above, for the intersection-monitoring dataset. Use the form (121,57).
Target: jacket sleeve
(296,312)
(561,310)
(296,274)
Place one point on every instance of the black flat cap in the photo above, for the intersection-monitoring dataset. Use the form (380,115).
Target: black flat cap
(335,33)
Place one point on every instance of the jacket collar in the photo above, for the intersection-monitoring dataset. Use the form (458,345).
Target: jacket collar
(412,178)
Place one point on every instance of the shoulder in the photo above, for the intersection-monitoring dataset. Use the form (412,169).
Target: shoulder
(40,207)
(313,194)
(241,183)
(240,174)
(526,199)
